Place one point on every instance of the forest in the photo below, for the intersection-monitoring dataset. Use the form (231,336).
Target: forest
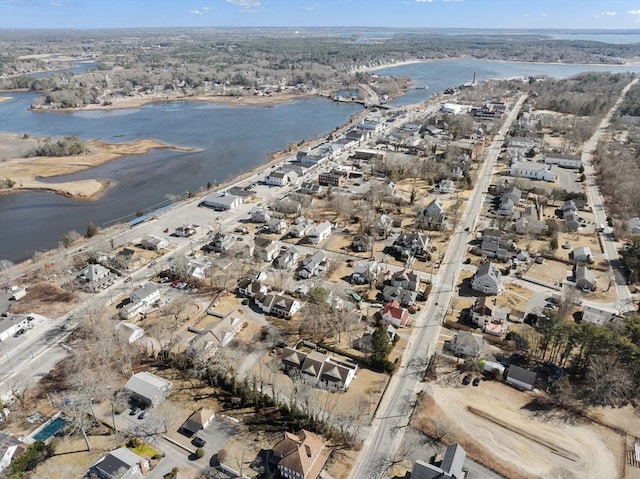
(192,61)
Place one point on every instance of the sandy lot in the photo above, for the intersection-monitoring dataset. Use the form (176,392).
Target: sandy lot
(26,171)
(491,422)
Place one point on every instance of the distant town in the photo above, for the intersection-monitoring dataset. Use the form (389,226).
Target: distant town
(447,289)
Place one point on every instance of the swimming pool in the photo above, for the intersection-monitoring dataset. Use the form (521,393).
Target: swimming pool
(49,430)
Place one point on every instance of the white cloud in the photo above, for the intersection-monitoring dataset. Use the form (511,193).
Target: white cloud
(544,14)
(634,12)
(608,14)
(310,8)
(453,1)
(527,15)
(246,5)
(202,11)
(424,1)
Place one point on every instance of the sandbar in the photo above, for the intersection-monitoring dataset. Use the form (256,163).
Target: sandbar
(25,173)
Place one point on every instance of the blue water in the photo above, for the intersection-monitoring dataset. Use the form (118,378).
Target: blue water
(50,429)
(441,74)
(233,140)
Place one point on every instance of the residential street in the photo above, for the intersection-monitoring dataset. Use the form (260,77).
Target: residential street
(392,416)
(609,246)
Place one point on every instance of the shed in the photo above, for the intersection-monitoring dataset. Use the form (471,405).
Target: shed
(521,378)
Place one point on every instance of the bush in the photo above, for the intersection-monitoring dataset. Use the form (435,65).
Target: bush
(199,453)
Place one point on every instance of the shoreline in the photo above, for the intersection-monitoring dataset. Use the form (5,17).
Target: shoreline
(26,174)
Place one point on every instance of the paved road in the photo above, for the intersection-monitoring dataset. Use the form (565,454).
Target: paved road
(610,247)
(392,415)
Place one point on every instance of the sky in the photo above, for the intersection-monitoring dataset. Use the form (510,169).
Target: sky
(82,14)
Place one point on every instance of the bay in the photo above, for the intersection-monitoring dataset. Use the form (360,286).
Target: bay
(233,140)
(437,75)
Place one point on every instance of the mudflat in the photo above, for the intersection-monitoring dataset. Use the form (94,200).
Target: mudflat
(23,174)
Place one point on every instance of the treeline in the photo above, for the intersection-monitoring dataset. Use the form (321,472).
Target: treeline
(604,360)
(173,59)
(585,94)
(631,104)
(68,146)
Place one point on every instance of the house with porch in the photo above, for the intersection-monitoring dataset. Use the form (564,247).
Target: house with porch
(94,277)
(433,217)
(491,318)
(365,272)
(140,300)
(410,244)
(313,264)
(392,313)
(320,232)
(277,304)
(325,369)
(265,249)
(467,344)
(487,279)
(260,214)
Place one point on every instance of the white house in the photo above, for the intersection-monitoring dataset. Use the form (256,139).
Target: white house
(260,214)
(140,300)
(335,373)
(300,228)
(277,304)
(277,225)
(453,108)
(153,242)
(313,264)
(365,272)
(582,254)
(487,280)
(265,249)
(594,315)
(148,388)
(94,277)
(633,225)
(534,171)
(221,201)
(320,232)
(207,342)
(446,186)
(465,343)
(564,161)
(277,178)
(392,313)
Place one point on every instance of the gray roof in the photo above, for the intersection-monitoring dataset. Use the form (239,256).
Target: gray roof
(146,385)
(521,374)
(118,462)
(453,461)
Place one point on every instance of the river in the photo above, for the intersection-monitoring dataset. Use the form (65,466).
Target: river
(232,139)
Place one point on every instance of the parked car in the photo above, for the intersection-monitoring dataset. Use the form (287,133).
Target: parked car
(134,411)
(476,382)
(145,413)
(466,380)
(198,442)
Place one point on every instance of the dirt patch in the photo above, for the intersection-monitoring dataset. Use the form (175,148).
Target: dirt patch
(492,423)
